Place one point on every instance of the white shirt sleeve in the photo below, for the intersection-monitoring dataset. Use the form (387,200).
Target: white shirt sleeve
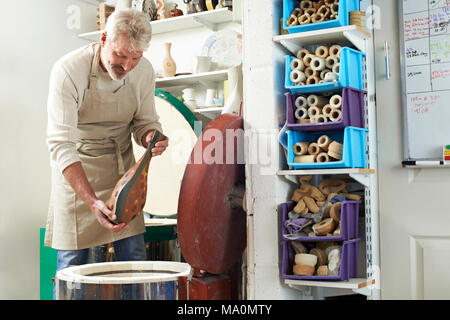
(62,131)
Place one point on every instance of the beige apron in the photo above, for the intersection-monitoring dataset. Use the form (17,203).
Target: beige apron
(106,152)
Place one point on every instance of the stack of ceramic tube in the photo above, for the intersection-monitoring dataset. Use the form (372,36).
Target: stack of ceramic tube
(358,18)
(318,109)
(314,12)
(309,68)
(323,150)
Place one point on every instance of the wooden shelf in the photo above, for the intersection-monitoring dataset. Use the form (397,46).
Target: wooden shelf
(208,19)
(351,35)
(192,79)
(352,284)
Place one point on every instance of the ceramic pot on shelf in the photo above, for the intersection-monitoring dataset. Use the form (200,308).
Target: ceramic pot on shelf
(161,10)
(169,65)
(174,12)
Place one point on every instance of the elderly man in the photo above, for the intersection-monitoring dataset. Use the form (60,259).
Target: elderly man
(100,95)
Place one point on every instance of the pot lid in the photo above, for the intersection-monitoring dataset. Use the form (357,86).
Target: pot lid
(211,227)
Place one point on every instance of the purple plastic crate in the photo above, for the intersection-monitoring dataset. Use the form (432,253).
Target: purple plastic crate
(349,222)
(348,268)
(352,112)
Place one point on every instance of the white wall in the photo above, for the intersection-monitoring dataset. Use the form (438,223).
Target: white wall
(35,34)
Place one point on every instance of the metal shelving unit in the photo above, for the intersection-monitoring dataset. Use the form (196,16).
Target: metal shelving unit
(361,39)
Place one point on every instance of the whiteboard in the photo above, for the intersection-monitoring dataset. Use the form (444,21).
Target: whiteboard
(425,66)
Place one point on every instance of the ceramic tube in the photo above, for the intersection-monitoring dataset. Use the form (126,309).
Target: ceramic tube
(301,113)
(297,76)
(312,80)
(331,61)
(316,101)
(335,50)
(302,53)
(317,17)
(304,19)
(301,102)
(323,142)
(337,68)
(336,101)
(322,52)
(314,111)
(335,115)
(317,64)
(300,148)
(297,64)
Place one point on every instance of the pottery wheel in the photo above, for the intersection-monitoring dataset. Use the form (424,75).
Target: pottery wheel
(211,227)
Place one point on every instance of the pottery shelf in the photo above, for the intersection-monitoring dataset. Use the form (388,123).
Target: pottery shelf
(205,110)
(350,35)
(358,285)
(359,174)
(204,78)
(208,19)
(326,171)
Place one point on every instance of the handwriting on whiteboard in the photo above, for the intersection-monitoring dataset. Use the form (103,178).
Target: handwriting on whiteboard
(440,74)
(417,26)
(422,103)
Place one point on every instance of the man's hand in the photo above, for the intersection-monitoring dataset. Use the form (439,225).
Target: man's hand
(159,147)
(76,177)
(105,216)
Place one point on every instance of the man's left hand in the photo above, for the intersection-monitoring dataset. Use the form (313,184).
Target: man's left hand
(159,147)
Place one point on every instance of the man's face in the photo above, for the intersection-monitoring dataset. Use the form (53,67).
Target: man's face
(116,58)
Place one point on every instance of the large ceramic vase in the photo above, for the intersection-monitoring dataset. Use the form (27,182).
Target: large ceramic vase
(169,65)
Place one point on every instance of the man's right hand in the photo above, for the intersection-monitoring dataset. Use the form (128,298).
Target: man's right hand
(104,216)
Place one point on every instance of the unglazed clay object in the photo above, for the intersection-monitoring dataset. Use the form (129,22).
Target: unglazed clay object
(311,204)
(298,247)
(303,270)
(305,259)
(128,197)
(327,186)
(334,262)
(321,256)
(322,271)
(335,212)
(324,226)
(300,206)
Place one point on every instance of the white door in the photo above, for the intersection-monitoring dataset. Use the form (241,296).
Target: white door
(413,203)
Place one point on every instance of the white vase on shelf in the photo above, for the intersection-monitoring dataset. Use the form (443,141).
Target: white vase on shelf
(169,65)
(233,102)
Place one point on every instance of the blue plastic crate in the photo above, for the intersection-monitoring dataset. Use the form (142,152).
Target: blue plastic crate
(354,147)
(345,7)
(350,74)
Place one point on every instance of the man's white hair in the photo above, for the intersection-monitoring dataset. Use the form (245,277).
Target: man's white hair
(134,24)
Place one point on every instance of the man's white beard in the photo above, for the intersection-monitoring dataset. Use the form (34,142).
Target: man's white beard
(113,74)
